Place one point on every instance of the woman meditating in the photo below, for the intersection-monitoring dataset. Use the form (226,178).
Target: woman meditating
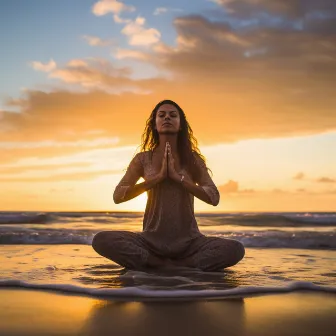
(174,171)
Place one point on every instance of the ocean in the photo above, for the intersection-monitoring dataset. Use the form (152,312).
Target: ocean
(284,251)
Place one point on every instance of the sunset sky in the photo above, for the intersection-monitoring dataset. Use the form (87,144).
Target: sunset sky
(255,78)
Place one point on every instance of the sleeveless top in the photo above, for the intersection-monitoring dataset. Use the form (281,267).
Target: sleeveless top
(169,215)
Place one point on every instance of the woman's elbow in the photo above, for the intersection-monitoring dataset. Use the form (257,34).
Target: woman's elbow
(215,202)
(119,194)
(212,195)
(116,200)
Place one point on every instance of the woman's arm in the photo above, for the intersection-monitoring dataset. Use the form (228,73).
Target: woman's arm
(127,187)
(197,191)
(205,189)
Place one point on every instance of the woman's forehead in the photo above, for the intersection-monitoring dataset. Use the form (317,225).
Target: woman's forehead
(167,108)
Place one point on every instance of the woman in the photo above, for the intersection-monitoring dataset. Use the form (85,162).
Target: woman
(174,172)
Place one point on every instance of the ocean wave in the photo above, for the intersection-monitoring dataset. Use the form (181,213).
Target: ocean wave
(141,293)
(239,219)
(264,239)
(22,218)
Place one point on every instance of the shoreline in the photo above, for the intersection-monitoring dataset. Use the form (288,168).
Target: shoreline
(139,294)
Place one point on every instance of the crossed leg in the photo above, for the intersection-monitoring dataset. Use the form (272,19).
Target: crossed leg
(212,253)
(130,250)
(126,248)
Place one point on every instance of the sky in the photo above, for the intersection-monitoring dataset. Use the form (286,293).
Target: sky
(255,78)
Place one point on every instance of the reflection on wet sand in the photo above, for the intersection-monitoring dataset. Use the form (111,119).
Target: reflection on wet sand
(167,318)
(33,313)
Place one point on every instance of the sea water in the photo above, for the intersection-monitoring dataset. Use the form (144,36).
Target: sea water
(284,252)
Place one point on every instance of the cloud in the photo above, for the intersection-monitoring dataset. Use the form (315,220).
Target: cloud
(94,74)
(79,175)
(229,187)
(96,41)
(49,143)
(138,35)
(160,10)
(104,7)
(77,63)
(289,8)
(326,180)
(45,67)
(278,191)
(19,169)
(301,190)
(86,164)
(299,176)
(128,53)
(118,19)
(286,91)
(232,187)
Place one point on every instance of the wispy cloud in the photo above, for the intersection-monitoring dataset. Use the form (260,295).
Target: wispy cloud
(45,67)
(121,53)
(97,41)
(49,143)
(78,175)
(229,187)
(138,35)
(326,180)
(299,176)
(104,7)
(93,73)
(160,10)
(118,19)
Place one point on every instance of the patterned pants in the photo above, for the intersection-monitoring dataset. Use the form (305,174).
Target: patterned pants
(132,250)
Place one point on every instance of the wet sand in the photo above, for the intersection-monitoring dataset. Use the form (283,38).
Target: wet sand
(31,312)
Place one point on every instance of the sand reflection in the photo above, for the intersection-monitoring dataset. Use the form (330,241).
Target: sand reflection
(167,318)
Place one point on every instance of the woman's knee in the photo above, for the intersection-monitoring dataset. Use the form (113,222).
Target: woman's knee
(237,251)
(109,240)
(98,240)
(240,250)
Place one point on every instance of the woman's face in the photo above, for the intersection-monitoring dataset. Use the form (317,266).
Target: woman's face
(167,119)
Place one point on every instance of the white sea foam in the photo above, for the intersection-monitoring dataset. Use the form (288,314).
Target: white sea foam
(140,293)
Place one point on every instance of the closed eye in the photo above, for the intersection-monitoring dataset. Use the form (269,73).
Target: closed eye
(171,114)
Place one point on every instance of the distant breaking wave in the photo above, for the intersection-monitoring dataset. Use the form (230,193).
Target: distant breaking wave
(239,219)
(250,238)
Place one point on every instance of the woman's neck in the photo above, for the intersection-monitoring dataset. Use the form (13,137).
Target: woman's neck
(171,138)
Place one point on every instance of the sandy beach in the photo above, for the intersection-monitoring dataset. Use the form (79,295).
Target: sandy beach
(29,312)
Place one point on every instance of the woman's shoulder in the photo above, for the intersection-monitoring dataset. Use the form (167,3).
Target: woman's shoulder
(196,156)
(143,156)
(198,159)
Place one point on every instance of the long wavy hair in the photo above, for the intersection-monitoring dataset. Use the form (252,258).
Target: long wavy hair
(187,144)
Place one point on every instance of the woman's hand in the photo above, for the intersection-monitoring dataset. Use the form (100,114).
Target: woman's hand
(171,167)
(163,174)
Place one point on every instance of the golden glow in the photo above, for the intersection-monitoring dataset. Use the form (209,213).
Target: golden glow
(50,312)
(35,312)
(252,175)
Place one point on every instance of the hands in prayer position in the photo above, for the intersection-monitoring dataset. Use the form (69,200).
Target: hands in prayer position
(168,166)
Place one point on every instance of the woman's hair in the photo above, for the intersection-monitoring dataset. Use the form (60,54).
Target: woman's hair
(186,142)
